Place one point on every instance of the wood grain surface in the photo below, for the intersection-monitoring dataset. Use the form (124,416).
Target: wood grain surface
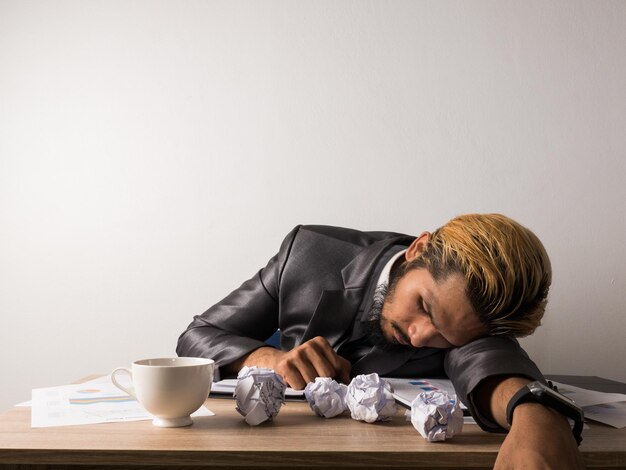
(296,439)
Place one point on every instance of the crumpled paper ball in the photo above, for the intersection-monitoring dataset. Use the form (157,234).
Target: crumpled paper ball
(436,415)
(370,398)
(259,394)
(326,397)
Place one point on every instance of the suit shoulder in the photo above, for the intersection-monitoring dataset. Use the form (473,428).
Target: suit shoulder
(348,235)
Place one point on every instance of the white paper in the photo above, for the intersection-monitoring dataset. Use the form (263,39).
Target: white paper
(326,397)
(406,390)
(227,387)
(607,408)
(613,414)
(369,398)
(596,405)
(583,397)
(96,401)
(259,394)
(436,415)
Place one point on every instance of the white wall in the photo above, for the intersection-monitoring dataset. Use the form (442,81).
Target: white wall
(153,154)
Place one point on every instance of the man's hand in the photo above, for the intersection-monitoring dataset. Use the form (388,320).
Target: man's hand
(540,437)
(301,365)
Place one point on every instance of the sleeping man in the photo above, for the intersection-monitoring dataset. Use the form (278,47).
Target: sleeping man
(450,302)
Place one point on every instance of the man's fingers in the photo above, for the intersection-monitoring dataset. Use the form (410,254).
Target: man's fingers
(297,368)
(344,373)
(315,358)
(329,363)
(294,379)
(309,364)
(340,367)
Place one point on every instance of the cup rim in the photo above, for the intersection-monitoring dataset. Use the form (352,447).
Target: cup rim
(187,362)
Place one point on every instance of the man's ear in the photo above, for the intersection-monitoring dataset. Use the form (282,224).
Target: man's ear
(417,246)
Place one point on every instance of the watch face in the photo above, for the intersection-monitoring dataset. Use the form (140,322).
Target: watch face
(537,388)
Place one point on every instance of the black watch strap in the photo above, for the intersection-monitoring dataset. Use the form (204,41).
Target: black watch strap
(537,392)
(523,395)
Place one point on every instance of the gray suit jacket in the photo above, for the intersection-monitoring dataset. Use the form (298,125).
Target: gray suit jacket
(320,281)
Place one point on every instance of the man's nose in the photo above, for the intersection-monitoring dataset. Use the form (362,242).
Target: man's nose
(420,333)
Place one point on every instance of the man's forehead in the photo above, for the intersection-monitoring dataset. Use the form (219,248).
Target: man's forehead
(451,310)
(439,292)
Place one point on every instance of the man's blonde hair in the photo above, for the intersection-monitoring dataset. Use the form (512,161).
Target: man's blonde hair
(505,266)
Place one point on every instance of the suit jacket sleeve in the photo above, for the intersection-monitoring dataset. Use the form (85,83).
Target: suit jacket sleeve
(468,365)
(241,322)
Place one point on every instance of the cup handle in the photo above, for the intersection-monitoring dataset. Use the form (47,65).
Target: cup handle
(131,390)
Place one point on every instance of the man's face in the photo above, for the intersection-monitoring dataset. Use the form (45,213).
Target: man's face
(421,312)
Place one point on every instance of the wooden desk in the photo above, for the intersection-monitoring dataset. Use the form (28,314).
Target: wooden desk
(296,439)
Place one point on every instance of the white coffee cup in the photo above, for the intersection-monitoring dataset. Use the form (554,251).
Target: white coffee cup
(169,388)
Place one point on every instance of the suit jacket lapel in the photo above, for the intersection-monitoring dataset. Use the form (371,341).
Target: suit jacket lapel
(380,361)
(335,311)
(357,273)
(334,315)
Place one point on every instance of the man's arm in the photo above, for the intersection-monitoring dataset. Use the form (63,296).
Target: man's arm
(301,365)
(486,373)
(241,322)
(233,331)
(539,437)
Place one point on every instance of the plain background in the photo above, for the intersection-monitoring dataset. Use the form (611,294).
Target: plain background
(153,154)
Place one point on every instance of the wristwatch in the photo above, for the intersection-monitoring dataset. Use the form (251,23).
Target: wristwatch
(538,392)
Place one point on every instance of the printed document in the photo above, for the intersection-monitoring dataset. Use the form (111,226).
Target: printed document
(96,401)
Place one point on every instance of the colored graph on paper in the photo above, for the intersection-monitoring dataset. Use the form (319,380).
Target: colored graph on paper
(405,390)
(97,401)
(91,396)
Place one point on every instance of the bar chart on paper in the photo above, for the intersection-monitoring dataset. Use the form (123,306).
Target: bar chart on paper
(406,390)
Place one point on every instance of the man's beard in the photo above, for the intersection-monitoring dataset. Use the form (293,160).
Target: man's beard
(375,318)
(373,324)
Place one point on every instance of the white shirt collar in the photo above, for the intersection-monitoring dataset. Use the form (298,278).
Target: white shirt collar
(383,279)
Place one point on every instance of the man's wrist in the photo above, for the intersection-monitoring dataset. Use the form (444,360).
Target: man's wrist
(539,393)
(264,356)
(540,420)
(537,414)
(539,437)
